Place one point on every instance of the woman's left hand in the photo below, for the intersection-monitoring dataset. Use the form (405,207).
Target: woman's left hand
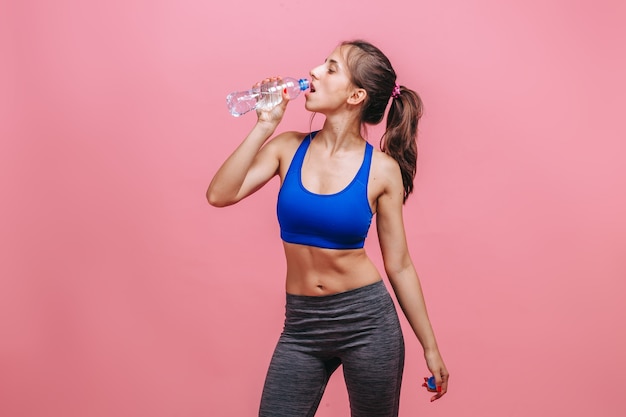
(436,366)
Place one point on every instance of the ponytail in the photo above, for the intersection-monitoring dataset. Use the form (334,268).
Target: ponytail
(370,69)
(400,139)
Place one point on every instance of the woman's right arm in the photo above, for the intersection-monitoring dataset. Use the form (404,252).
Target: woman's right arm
(251,165)
(246,170)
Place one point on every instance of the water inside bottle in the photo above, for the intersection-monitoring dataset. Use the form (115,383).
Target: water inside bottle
(269,99)
(240,103)
(269,96)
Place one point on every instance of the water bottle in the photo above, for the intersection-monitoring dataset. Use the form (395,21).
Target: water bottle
(266,96)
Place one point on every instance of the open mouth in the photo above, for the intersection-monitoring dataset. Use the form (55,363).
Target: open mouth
(312,88)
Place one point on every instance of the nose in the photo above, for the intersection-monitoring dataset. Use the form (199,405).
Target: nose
(314,71)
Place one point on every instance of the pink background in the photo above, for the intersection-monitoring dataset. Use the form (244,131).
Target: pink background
(123,293)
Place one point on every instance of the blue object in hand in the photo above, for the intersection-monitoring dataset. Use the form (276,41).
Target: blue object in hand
(431,385)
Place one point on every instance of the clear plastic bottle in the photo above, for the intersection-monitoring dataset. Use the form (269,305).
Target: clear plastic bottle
(266,96)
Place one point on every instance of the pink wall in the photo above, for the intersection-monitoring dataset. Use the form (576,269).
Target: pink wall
(122,293)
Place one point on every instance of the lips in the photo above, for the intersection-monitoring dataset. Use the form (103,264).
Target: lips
(312,88)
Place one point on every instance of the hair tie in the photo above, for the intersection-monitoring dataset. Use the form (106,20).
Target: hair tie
(396,91)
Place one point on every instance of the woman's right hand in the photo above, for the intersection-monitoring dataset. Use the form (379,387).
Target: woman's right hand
(272,117)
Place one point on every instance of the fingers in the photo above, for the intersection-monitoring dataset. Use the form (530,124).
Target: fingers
(437,383)
(267,80)
(286,98)
(274,81)
(441,380)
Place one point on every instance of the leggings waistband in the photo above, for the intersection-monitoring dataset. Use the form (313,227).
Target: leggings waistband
(366,294)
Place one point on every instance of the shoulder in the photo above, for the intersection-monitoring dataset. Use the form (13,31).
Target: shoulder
(386,186)
(287,140)
(283,146)
(385,179)
(385,169)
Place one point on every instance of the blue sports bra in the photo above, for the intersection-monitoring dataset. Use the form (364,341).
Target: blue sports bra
(334,221)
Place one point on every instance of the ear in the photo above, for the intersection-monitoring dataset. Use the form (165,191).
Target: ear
(358,96)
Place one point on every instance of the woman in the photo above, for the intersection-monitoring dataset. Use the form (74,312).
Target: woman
(338,311)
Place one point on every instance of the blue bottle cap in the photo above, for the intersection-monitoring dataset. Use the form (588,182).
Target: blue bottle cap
(304,84)
(432,385)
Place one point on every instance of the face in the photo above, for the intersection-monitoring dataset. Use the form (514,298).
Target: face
(330,84)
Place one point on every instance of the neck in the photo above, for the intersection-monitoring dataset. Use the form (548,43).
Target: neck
(340,132)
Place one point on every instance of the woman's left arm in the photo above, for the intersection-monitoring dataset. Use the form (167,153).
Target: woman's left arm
(401,271)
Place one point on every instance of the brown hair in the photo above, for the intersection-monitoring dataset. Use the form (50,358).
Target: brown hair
(371,70)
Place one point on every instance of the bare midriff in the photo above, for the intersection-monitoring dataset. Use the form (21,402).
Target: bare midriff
(317,271)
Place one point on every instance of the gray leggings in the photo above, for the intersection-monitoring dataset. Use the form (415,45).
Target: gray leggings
(358,329)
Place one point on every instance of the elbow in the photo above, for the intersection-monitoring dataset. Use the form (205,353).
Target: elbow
(215,200)
(216,203)
(399,267)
